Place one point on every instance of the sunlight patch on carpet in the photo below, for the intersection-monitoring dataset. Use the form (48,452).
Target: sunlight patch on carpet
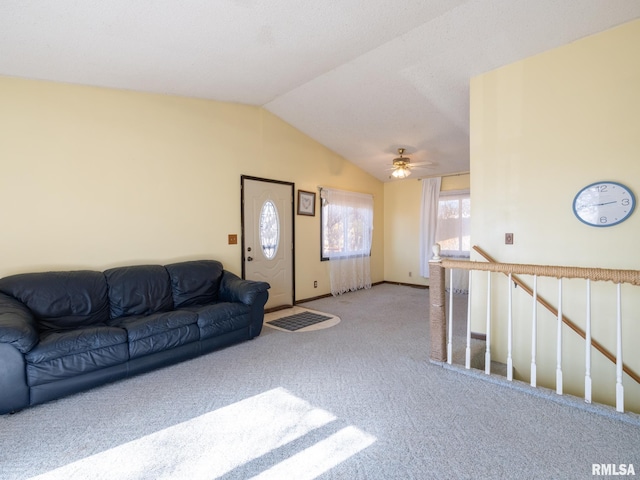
(214,444)
(321,457)
(299,319)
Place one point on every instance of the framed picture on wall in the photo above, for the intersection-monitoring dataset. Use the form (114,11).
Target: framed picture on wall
(306,203)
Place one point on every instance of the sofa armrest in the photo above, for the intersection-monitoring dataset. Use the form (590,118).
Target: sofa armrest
(235,289)
(17,325)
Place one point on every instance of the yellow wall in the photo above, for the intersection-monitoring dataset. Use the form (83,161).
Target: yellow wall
(542,129)
(402,200)
(94,178)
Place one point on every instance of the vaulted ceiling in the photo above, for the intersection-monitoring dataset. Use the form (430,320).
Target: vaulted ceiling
(362,77)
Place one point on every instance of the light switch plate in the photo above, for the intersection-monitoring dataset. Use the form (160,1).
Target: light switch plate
(508,238)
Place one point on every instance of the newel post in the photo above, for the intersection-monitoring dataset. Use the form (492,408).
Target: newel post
(437,318)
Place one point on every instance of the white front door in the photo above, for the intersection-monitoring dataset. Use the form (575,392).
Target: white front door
(267,237)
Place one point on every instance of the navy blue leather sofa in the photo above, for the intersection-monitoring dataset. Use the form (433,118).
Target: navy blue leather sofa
(64,332)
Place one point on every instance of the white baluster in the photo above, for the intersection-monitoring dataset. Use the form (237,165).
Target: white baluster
(467,360)
(510,332)
(559,342)
(619,387)
(450,335)
(487,355)
(587,342)
(534,332)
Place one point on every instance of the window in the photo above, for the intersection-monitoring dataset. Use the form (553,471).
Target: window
(347,224)
(454,218)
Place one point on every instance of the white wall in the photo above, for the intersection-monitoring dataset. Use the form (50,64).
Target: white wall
(541,130)
(94,178)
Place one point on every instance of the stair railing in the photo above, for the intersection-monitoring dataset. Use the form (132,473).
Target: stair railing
(441,330)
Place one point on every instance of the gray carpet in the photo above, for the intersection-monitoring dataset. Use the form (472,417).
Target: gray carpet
(359,400)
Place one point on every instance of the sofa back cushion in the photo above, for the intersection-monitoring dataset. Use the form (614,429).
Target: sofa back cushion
(61,300)
(138,290)
(195,283)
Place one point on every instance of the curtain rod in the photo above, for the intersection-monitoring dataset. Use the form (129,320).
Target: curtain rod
(457,174)
(320,188)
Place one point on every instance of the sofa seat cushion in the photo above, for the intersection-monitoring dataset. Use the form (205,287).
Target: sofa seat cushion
(221,318)
(160,331)
(66,353)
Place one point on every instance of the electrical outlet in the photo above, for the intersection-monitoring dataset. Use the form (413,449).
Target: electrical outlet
(508,238)
(233,239)
(315,284)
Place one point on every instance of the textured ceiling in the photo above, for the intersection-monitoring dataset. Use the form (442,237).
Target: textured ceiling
(362,77)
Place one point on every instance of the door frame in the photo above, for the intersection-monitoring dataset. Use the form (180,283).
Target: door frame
(293,231)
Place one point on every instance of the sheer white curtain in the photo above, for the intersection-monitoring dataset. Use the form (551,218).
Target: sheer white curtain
(428,221)
(347,227)
(454,228)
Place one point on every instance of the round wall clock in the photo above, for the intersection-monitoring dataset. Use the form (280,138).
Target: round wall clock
(604,204)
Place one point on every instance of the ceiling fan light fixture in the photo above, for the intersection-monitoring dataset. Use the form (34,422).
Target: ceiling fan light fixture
(401,172)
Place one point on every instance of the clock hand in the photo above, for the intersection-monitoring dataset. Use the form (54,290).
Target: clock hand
(599,204)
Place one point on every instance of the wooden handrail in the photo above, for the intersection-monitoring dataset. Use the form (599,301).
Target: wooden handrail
(597,345)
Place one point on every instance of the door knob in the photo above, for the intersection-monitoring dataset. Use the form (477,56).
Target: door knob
(249,259)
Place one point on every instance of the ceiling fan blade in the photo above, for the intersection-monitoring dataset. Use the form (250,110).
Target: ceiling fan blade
(412,166)
(398,167)
(418,166)
(421,164)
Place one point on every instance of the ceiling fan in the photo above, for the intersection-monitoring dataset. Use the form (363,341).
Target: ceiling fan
(402,165)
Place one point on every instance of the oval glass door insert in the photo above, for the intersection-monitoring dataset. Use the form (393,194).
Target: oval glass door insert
(269,229)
